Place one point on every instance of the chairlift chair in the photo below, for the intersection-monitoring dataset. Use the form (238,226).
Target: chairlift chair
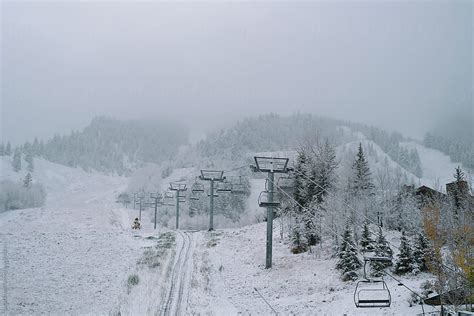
(286,184)
(224,187)
(197,187)
(372,292)
(238,188)
(263,200)
(194,196)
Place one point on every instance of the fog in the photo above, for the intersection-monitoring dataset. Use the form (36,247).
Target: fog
(400,65)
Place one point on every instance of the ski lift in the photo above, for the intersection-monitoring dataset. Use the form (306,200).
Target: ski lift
(168,198)
(197,187)
(286,184)
(372,292)
(238,188)
(263,200)
(224,187)
(194,197)
(181,198)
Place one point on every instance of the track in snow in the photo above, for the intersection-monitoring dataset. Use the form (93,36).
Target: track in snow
(180,278)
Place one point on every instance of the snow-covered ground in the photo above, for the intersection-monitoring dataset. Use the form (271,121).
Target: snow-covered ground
(437,167)
(71,256)
(231,267)
(76,254)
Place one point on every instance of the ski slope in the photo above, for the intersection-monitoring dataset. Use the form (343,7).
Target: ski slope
(72,255)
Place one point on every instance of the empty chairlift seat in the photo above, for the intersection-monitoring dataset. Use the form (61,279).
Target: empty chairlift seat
(197,187)
(372,292)
(224,187)
(264,200)
(286,184)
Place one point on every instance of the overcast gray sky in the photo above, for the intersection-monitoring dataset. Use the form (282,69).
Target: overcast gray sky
(398,65)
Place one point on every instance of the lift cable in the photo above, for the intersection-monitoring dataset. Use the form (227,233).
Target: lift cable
(368,219)
(330,229)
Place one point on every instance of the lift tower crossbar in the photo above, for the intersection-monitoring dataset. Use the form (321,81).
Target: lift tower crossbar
(212,176)
(178,187)
(270,165)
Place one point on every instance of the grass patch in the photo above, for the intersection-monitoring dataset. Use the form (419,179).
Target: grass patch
(152,255)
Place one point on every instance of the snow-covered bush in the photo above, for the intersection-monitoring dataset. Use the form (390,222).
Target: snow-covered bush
(15,196)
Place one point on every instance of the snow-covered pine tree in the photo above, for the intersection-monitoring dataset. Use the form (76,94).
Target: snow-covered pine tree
(381,249)
(28,180)
(30,160)
(2,149)
(422,252)
(366,241)
(16,163)
(361,182)
(298,241)
(348,257)
(405,262)
(300,169)
(326,166)
(8,149)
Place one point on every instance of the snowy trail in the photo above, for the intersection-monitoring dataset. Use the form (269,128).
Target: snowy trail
(180,278)
(4,275)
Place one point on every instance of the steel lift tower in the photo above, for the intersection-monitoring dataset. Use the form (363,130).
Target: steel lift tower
(178,187)
(267,199)
(212,176)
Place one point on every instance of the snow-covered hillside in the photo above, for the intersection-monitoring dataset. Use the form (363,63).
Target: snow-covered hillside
(232,267)
(71,256)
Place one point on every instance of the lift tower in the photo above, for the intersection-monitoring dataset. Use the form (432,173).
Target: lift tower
(178,187)
(158,201)
(266,199)
(212,176)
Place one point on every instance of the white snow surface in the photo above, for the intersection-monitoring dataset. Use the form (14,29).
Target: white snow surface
(74,255)
(71,256)
(231,267)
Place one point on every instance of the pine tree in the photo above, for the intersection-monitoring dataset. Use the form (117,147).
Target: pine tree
(28,180)
(298,241)
(348,258)
(29,159)
(366,241)
(326,166)
(422,253)
(459,174)
(17,160)
(404,263)
(8,149)
(300,171)
(381,249)
(361,183)
(2,149)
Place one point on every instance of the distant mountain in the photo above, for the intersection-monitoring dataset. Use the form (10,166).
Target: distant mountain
(272,132)
(115,146)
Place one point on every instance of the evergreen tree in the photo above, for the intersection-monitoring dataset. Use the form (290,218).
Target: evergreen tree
(459,174)
(298,241)
(381,249)
(361,182)
(422,253)
(326,166)
(28,180)
(404,263)
(348,258)
(8,149)
(17,160)
(29,159)
(300,171)
(366,241)
(2,149)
